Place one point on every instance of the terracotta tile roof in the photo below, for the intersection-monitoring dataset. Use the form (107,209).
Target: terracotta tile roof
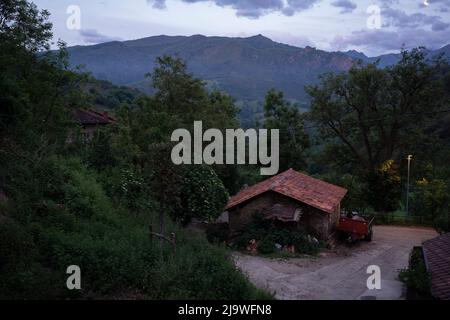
(314,192)
(437,257)
(93,117)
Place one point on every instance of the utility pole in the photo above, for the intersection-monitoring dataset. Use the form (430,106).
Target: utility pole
(407,186)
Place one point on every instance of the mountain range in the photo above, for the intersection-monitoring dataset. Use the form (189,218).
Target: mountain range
(246,68)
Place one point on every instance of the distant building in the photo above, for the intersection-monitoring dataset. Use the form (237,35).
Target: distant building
(436,253)
(292,200)
(91,120)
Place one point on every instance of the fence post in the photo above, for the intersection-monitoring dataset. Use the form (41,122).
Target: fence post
(150,227)
(174,242)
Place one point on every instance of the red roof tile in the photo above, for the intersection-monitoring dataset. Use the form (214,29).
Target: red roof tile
(314,192)
(86,117)
(437,256)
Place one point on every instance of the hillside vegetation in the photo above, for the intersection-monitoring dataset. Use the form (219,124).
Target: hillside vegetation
(245,68)
(94,204)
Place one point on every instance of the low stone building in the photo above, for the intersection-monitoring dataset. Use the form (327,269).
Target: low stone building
(91,120)
(292,200)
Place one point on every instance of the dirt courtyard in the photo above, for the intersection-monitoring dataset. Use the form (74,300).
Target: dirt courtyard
(339,274)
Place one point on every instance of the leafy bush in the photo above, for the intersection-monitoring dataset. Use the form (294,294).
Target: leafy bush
(416,276)
(442,222)
(112,247)
(202,271)
(23,271)
(429,198)
(267,235)
(266,246)
(384,187)
(83,195)
(217,232)
(203,194)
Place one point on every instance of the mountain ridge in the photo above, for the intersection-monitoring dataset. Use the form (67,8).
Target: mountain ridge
(245,67)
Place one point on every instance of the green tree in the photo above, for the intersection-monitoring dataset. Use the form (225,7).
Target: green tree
(23,28)
(186,99)
(373,112)
(281,114)
(430,198)
(202,193)
(180,100)
(38,93)
(178,92)
(371,117)
(384,187)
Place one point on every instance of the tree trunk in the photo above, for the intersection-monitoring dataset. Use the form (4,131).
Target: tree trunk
(161,225)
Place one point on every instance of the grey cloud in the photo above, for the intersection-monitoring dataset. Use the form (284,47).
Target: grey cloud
(439,26)
(383,40)
(157,4)
(346,6)
(443,2)
(252,8)
(400,19)
(299,5)
(92,36)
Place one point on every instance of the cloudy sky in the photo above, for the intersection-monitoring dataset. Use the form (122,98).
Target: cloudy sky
(326,24)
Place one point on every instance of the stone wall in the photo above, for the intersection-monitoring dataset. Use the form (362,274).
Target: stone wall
(317,223)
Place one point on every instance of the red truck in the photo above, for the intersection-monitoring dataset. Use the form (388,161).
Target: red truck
(356,228)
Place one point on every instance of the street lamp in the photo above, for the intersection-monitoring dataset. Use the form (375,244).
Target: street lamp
(407,186)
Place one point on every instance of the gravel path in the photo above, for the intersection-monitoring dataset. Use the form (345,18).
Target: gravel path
(340,273)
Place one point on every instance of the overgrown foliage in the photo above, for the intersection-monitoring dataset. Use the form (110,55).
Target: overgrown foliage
(268,235)
(416,276)
(68,201)
(369,110)
(370,119)
(282,115)
(87,228)
(203,194)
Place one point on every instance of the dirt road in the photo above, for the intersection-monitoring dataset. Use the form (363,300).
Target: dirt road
(341,273)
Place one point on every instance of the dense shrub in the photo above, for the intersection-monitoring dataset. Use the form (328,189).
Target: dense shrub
(203,271)
(23,270)
(430,198)
(203,195)
(416,276)
(82,226)
(83,195)
(266,246)
(217,232)
(442,222)
(268,235)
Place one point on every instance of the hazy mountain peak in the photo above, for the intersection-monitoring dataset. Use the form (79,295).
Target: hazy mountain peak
(260,37)
(356,54)
(244,67)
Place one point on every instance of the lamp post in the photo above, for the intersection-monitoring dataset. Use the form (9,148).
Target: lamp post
(407,185)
